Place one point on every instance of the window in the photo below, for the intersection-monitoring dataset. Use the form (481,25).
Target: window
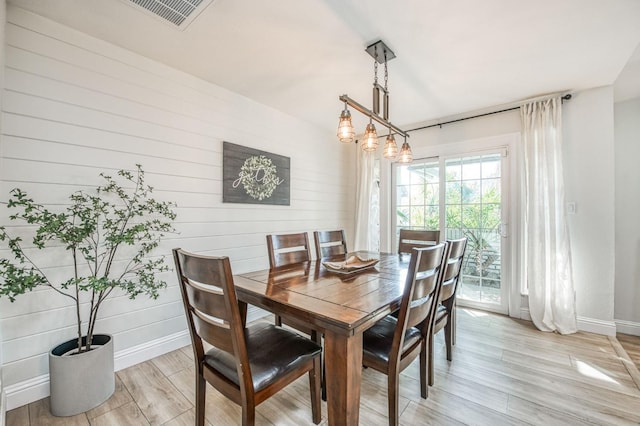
(417,196)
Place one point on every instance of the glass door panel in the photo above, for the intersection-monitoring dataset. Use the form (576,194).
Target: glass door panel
(417,196)
(473,209)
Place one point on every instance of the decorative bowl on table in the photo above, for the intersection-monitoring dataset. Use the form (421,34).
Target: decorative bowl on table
(352,265)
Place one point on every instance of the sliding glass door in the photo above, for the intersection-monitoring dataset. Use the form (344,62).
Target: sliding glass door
(461,195)
(417,195)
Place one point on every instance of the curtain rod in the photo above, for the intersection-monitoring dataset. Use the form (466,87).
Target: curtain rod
(563,98)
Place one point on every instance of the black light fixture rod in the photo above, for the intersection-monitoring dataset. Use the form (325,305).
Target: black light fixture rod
(366,111)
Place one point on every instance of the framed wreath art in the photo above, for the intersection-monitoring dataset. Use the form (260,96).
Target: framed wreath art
(253,176)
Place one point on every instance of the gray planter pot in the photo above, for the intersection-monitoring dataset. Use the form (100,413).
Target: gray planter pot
(83,381)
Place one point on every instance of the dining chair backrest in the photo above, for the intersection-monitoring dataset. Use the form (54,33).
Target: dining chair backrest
(330,243)
(413,238)
(422,287)
(453,268)
(213,313)
(286,249)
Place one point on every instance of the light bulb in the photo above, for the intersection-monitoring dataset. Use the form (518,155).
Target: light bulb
(405,153)
(370,142)
(390,148)
(346,132)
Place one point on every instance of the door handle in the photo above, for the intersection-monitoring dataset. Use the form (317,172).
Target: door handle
(504,230)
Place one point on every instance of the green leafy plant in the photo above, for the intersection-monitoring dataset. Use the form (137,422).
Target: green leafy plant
(110,235)
(476,221)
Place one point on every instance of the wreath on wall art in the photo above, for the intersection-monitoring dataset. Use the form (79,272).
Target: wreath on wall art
(259,177)
(252,176)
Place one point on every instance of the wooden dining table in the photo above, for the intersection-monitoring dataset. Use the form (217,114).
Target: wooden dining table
(339,305)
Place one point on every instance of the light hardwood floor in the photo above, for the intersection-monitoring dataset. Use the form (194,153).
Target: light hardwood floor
(631,344)
(504,372)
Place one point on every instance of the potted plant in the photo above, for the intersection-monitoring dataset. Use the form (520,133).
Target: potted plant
(110,235)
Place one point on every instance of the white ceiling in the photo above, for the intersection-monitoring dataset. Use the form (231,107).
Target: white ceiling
(453,56)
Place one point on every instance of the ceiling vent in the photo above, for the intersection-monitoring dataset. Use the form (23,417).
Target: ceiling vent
(177,12)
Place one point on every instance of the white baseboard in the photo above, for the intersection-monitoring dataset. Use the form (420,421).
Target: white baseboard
(31,390)
(608,328)
(525,314)
(628,327)
(591,325)
(144,352)
(27,391)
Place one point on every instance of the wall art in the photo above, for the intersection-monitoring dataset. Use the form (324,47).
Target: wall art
(253,176)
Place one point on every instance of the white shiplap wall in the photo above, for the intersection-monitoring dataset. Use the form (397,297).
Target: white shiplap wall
(75,106)
(3,19)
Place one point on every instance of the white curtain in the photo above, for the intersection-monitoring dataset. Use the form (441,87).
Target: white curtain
(546,238)
(365,164)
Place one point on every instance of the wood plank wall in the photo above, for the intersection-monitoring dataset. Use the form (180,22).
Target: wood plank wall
(3,20)
(75,106)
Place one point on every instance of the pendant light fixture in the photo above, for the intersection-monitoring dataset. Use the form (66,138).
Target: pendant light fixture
(370,141)
(405,153)
(390,147)
(346,133)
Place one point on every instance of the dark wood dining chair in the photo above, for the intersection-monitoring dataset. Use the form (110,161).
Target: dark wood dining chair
(287,249)
(246,364)
(414,238)
(445,316)
(393,343)
(330,243)
(290,249)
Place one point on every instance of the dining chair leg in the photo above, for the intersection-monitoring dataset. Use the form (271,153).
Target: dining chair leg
(393,393)
(278,321)
(201,396)
(454,320)
(430,359)
(448,330)
(248,413)
(424,389)
(315,380)
(324,381)
(447,340)
(316,336)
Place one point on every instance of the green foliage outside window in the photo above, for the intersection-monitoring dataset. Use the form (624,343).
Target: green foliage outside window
(472,209)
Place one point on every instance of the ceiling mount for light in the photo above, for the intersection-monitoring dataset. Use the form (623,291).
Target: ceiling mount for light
(381,53)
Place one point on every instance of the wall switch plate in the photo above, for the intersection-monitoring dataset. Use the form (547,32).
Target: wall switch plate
(571,207)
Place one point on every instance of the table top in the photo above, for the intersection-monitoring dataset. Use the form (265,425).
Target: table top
(326,300)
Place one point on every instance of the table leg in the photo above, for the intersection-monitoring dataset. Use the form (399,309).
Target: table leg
(343,364)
